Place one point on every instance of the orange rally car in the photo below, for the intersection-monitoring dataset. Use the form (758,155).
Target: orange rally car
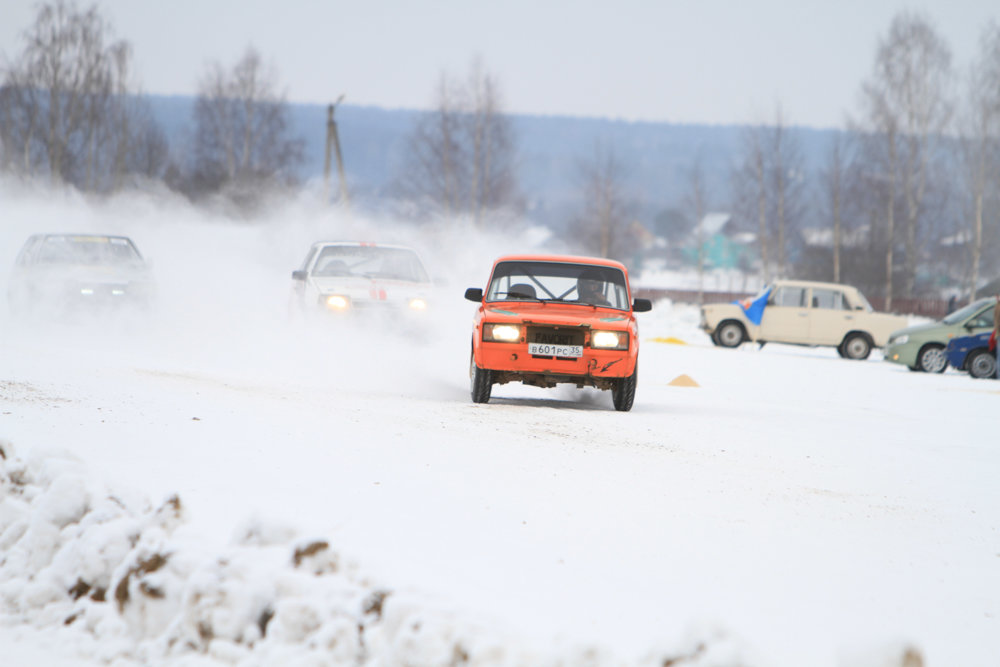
(549,319)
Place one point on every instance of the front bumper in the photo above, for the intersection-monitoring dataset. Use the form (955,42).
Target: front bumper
(905,354)
(511,362)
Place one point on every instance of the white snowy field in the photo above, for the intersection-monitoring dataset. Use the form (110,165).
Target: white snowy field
(339,500)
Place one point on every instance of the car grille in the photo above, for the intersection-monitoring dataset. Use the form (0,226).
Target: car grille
(556,336)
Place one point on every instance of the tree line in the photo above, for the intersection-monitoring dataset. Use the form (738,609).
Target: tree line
(906,202)
(908,196)
(71,113)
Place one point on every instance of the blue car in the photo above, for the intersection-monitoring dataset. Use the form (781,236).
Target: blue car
(972,354)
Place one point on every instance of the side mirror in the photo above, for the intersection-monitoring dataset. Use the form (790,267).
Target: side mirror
(299,275)
(641,305)
(474,294)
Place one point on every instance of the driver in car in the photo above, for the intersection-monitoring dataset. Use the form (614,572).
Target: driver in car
(590,289)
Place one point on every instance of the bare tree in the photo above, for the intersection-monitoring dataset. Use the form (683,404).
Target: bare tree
(64,78)
(241,130)
(20,123)
(461,155)
(603,226)
(905,108)
(492,183)
(435,171)
(788,178)
(768,184)
(980,142)
(833,178)
(67,107)
(750,185)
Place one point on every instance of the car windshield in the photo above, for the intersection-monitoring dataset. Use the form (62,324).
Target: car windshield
(965,313)
(593,285)
(87,250)
(370,262)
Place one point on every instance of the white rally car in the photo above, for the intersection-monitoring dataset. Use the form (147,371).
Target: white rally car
(349,278)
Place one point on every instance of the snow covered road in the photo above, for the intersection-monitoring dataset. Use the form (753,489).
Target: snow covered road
(792,509)
(795,508)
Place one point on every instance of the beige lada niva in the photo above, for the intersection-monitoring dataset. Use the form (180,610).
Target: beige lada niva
(802,312)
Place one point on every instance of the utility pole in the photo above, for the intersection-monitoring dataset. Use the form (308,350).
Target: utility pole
(333,140)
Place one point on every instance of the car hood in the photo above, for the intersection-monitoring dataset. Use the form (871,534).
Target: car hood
(710,309)
(337,283)
(558,314)
(360,289)
(928,328)
(84,273)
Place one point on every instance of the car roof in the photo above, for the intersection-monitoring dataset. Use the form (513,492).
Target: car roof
(811,283)
(567,259)
(360,244)
(106,237)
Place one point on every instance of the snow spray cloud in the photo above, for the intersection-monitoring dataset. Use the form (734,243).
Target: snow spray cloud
(223,286)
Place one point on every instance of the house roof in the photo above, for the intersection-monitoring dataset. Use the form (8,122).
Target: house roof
(713,223)
(823,237)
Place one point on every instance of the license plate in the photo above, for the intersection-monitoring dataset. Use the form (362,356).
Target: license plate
(547,350)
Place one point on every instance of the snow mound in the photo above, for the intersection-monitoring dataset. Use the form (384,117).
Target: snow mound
(125,582)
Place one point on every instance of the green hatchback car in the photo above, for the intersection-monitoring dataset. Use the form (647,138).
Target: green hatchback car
(922,347)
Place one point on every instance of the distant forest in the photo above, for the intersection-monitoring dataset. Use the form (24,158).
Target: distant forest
(903,201)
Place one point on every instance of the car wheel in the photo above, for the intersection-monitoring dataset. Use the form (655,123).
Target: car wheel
(623,391)
(981,364)
(730,334)
(931,358)
(481,382)
(856,346)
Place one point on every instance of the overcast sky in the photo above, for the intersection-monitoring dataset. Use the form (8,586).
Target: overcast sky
(688,61)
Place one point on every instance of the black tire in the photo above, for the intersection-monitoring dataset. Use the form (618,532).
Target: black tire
(480,382)
(623,391)
(931,358)
(981,365)
(730,334)
(856,346)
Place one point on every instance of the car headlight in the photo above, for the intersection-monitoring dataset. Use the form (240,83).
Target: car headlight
(501,333)
(336,302)
(900,340)
(418,304)
(609,340)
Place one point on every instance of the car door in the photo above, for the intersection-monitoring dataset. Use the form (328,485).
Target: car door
(786,317)
(829,317)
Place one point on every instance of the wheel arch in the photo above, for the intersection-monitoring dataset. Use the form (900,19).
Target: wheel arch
(859,332)
(932,344)
(742,325)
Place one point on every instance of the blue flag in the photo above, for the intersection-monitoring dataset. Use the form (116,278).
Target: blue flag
(754,309)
